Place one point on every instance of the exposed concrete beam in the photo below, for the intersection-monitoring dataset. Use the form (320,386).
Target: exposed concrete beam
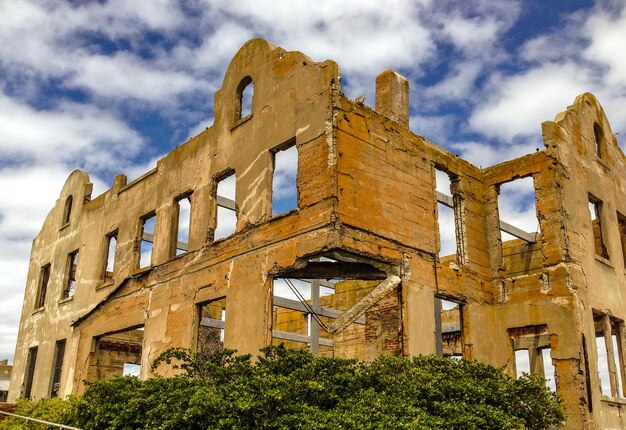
(226,203)
(295,305)
(212,322)
(336,269)
(295,337)
(445,199)
(504,226)
(149,237)
(360,307)
(519,233)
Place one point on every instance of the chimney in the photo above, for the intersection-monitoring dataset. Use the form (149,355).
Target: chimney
(392,97)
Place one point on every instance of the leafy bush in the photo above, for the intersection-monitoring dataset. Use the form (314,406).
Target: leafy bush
(52,410)
(287,389)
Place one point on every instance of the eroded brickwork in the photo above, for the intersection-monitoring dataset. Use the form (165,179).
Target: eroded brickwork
(366,216)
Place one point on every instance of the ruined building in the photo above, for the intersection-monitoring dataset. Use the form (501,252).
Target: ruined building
(351,267)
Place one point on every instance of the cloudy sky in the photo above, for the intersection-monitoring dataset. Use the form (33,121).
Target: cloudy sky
(110,86)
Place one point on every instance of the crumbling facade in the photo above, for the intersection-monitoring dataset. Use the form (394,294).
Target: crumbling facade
(353,269)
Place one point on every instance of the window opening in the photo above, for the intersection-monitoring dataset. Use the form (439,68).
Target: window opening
(448,328)
(148,225)
(620,370)
(44,279)
(245,91)
(522,362)
(598,135)
(70,284)
(621,222)
(110,258)
(284,190)
(31,361)
(211,327)
(595,211)
(131,369)
(183,223)
(609,353)
(117,354)
(531,351)
(226,223)
(449,236)
(519,227)
(57,367)
(339,315)
(548,369)
(67,210)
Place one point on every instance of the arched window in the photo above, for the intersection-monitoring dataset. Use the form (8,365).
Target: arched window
(67,210)
(599,138)
(243,102)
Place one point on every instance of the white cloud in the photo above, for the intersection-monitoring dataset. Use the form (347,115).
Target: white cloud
(518,104)
(28,194)
(608,35)
(125,76)
(75,133)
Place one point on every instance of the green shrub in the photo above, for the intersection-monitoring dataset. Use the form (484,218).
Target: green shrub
(52,410)
(287,389)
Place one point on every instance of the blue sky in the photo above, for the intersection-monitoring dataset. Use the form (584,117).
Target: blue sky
(110,86)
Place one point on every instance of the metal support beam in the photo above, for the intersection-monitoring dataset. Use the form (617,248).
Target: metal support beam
(360,307)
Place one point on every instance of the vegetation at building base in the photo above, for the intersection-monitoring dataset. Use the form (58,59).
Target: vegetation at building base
(287,389)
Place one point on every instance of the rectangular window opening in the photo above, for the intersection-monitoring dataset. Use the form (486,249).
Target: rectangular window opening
(148,225)
(595,211)
(70,283)
(609,354)
(211,327)
(284,189)
(308,313)
(226,223)
(44,279)
(519,227)
(57,368)
(31,361)
(131,369)
(522,362)
(117,354)
(448,232)
(620,369)
(531,348)
(448,319)
(183,216)
(111,248)
(548,369)
(603,365)
(621,222)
